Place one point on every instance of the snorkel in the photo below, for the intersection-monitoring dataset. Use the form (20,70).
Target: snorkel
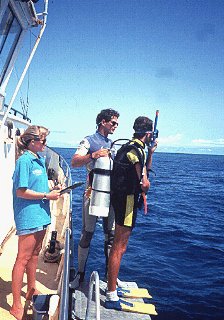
(155,133)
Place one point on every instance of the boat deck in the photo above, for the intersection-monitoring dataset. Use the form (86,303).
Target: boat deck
(81,296)
(47,283)
(46,280)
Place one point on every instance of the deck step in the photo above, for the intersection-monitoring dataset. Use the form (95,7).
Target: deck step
(81,295)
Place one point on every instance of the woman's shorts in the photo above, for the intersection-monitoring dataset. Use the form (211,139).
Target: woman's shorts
(125,208)
(29,231)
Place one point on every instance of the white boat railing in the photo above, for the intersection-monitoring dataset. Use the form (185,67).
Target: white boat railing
(64,304)
(94,281)
(56,162)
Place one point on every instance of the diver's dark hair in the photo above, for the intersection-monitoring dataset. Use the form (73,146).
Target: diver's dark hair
(141,126)
(106,114)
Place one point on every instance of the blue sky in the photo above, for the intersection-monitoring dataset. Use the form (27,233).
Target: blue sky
(135,56)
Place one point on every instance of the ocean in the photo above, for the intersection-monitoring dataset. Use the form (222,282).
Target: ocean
(176,251)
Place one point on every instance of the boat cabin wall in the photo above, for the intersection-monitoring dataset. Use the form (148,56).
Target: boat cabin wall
(16,18)
(8,136)
(7,160)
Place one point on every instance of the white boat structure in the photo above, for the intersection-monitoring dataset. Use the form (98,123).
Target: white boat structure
(57,300)
(17,19)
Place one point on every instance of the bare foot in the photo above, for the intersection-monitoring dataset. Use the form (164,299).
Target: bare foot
(17,313)
(32,292)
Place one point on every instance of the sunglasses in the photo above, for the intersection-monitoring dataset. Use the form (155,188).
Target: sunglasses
(42,141)
(114,123)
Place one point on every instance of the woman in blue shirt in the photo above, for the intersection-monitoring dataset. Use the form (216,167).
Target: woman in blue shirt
(31,211)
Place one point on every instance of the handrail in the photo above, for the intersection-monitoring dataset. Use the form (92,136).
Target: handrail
(94,279)
(49,153)
(65,285)
(15,112)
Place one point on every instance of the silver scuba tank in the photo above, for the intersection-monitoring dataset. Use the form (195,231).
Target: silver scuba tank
(100,195)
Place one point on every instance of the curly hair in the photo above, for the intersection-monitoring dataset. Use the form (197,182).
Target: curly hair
(106,114)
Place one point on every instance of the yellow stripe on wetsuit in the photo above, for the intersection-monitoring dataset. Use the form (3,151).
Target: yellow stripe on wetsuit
(129,211)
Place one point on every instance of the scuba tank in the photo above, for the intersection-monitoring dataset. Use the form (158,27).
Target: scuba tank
(100,194)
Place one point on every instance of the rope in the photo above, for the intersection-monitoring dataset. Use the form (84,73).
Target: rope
(52,257)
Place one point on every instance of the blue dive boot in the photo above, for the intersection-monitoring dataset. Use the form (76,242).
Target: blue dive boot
(110,304)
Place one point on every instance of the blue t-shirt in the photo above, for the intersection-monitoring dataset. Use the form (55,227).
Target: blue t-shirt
(30,173)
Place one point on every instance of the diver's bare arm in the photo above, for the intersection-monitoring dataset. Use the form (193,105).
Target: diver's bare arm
(79,161)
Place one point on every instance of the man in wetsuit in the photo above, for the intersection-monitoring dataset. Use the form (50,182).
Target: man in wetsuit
(125,201)
(91,148)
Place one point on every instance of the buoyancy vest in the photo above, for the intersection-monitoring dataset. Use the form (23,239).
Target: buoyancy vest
(124,178)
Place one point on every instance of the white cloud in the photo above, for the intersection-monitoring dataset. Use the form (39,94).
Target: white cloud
(171,140)
(204,142)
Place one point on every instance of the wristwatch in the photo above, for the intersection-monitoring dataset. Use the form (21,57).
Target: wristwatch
(44,197)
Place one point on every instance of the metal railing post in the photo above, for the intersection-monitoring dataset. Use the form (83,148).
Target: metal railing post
(65,285)
(94,279)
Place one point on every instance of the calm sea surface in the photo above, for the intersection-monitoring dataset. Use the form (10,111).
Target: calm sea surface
(177,249)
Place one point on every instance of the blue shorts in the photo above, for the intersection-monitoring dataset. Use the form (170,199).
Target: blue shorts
(29,231)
